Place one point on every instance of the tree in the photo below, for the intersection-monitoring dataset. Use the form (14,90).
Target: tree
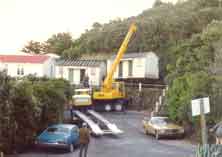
(25,104)
(33,47)
(158,3)
(191,74)
(97,25)
(58,43)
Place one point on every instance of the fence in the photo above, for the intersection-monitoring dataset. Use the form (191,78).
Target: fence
(213,150)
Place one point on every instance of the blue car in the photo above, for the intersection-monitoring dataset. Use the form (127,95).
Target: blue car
(59,136)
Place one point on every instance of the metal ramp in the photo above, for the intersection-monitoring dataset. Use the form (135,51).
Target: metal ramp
(94,127)
(112,128)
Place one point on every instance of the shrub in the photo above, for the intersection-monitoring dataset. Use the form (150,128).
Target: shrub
(25,104)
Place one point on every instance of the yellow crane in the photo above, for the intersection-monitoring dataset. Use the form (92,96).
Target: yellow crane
(112,94)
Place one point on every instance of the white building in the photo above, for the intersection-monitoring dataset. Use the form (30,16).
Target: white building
(136,65)
(76,70)
(22,65)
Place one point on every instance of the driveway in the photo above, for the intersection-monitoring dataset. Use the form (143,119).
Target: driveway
(133,143)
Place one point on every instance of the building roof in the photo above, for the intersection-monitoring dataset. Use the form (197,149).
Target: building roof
(36,59)
(87,63)
(134,55)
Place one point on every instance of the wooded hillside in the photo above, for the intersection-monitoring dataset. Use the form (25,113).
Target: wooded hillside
(186,36)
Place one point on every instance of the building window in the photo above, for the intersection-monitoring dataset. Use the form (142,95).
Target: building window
(71,75)
(130,64)
(20,70)
(120,69)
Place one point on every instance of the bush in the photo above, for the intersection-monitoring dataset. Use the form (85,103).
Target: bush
(183,90)
(25,104)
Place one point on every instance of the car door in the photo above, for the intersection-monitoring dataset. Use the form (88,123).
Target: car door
(75,135)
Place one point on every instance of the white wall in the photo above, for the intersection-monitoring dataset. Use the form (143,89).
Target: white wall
(125,68)
(139,67)
(94,74)
(39,70)
(143,67)
(28,69)
(152,66)
(49,68)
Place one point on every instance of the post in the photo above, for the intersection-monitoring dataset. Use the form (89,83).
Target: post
(1,155)
(203,123)
(140,97)
(140,87)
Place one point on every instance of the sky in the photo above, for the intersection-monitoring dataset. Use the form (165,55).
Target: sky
(25,20)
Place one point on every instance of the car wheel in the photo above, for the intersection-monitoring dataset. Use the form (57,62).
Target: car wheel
(71,148)
(119,107)
(157,135)
(107,107)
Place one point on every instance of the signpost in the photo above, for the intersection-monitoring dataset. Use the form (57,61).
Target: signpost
(201,107)
(140,87)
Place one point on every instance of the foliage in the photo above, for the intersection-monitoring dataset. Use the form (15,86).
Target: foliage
(155,32)
(33,47)
(193,73)
(26,103)
(58,43)
(183,90)
(61,44)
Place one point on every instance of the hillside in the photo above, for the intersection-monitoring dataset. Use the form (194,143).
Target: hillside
(186,36)
(159,29)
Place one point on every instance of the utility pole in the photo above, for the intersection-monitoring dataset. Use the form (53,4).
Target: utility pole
(219,3)
(203,123)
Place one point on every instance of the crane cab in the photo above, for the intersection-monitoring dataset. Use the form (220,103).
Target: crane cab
(82,98)
(116,92)
(113,99)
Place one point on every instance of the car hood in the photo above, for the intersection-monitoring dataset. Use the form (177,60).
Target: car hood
(168,127)
(52,137)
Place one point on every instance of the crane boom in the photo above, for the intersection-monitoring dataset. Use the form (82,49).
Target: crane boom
(107,85)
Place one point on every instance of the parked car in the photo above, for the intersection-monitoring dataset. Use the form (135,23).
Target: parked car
(59,136)
(162,127)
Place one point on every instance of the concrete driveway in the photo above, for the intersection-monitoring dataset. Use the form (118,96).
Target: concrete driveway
(133,143)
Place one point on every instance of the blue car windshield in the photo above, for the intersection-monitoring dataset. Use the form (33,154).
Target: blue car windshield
(57,130)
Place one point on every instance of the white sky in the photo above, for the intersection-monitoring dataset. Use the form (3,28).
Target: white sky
(24,20)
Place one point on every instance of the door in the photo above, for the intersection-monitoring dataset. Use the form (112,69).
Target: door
(71,75)
(82,74)
(130,68)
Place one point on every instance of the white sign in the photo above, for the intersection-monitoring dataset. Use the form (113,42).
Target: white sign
(196,106)
(140,87)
